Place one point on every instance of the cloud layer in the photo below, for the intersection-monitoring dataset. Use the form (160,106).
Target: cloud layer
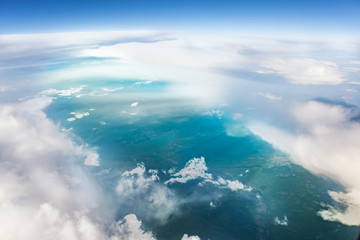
(43,187)
(45,190)
(327,143)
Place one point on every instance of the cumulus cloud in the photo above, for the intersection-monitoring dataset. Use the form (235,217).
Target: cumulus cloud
(129,228)
(196,169)
(92,160)
(139,187)
(327,143)
(187,237)
(43,187)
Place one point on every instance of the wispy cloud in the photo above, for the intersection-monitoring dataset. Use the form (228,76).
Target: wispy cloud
(270,96)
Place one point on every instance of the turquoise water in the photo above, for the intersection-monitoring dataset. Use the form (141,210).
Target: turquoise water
(165,133)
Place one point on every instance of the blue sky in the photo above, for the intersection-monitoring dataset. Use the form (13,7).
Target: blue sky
(321,17)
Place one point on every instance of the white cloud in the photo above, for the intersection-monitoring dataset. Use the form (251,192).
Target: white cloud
(23,45)
(327,143)
(187,237)
(130,229)
(64,93)
(134,104)
(81,115)
(92,160)
(194,169)
(351,214)
(214,112)
(43,189)
(129,113)
(306,71)
(351,90)
(282,222)
(46,193)
(138,187)
(235,185)
(270,96)
(77,115)
(232,185)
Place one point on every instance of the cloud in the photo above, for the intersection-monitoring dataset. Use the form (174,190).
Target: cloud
(78,115)
(235,185)
(64,93)
(351,90)
(43,187)
(134,104)
(129,228)
(282,222)
(139,187)
(196,169)
(326,142)
(129,113)
(159,201)
(45,190)
(92,160)
(270,96)
(214,112)
(79,92)
(187,237)
(25,45)
(306,71)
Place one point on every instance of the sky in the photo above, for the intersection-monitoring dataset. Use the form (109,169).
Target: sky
(294,17)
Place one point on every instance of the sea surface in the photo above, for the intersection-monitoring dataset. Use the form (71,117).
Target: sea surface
(132,124)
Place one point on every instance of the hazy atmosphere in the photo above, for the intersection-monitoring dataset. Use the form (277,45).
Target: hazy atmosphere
(186,120)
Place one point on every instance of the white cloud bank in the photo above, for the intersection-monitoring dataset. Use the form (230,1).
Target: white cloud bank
(23,45)
(43,188)
(46,194)
(327,143)
(306,71)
